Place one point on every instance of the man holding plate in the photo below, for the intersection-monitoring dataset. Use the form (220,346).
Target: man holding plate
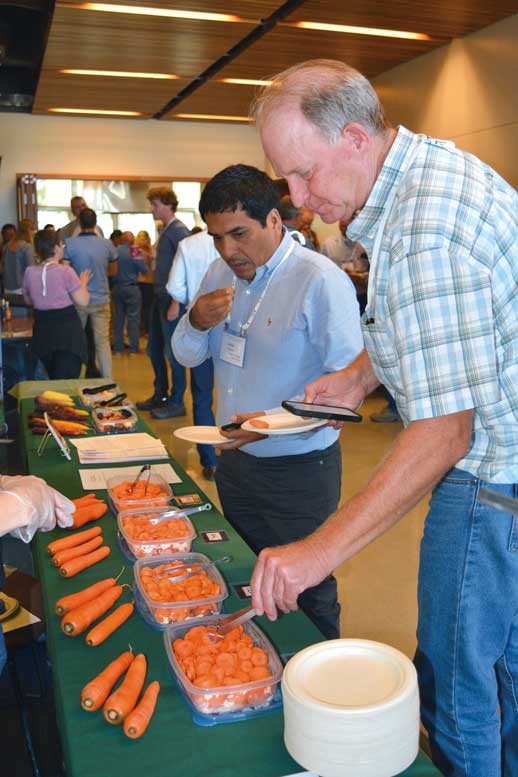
(274,316)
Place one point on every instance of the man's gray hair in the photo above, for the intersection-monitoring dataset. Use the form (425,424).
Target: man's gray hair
(329,93)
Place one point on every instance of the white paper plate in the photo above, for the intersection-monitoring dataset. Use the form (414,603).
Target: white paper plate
(201,435)
(285,423)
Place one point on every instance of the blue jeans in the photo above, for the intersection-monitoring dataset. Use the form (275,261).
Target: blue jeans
(467,655)
(127,301)
(159,347)
(202,385)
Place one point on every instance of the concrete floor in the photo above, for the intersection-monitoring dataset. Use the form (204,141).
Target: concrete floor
(377,588)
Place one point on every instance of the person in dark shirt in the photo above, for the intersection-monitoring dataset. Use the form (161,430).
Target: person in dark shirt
(126,295)
(164,202)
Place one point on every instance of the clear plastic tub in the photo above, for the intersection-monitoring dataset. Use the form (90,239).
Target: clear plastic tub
(175,535)
(89,400)
(142,496)
(225,703)
(166,612)
(114,420)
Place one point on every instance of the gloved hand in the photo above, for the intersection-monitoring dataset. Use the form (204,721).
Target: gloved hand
(40,506)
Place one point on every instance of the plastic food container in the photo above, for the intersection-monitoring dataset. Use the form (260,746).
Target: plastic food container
(165,612)
(172,535)
(225,703)
(159,495)
(89,400)
(113,420)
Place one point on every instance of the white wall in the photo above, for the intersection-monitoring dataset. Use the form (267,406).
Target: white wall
(466,92)
(116,148)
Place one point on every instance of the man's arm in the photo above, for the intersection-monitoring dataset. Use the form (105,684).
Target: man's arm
(177,281)
(421,455)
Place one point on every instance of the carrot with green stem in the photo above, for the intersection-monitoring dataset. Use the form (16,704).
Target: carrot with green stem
(123,700)
(58,559)
(78,620)
(75,565)
(95,693)
(138,720)
(111,623)
(74,539)
(70,602)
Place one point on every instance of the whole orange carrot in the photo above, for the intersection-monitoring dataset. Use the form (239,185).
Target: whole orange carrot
(74,539)
(90,512)
(58,559)
(123,700)
(102,630)
(70,602)
(78,620)
(95,693)
(138,719)
(76,565)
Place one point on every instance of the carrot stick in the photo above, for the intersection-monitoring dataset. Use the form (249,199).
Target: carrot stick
(104,628)
(76,621)
(123,700)
(76,565)
(58,559)
(95,693)
(73,539)
(90,512)
(70,602)
(138,719)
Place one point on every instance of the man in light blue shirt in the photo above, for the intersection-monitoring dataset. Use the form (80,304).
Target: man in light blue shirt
(293,315)
(88,251)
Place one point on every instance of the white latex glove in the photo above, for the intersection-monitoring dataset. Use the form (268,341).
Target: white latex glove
(31,504)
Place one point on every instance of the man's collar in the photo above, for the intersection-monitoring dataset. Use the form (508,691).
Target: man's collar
(87,232)
(276,258)
(365,221)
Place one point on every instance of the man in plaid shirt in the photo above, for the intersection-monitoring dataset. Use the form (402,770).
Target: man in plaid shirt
(441,332)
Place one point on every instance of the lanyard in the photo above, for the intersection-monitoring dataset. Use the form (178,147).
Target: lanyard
(44,276)
(246,326)
(376,248)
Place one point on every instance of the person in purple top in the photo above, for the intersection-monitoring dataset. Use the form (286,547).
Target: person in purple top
(53,289)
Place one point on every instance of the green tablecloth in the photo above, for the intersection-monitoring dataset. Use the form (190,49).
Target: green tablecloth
(173,743)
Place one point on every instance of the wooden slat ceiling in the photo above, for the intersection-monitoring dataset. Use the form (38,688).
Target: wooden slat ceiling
(95,40)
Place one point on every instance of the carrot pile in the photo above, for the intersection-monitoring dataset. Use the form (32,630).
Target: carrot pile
(122,706)
(78,611)
(88,508)
(165,590)
(128,493)
(155,539)
(215,664)
(78,551)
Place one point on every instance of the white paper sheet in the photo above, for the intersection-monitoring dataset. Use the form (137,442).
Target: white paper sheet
(95,479)
(139,446)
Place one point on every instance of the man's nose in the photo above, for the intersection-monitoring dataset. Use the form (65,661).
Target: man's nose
(298,191)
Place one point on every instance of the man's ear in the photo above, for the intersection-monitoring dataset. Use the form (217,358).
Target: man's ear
(357,137)
(274,219)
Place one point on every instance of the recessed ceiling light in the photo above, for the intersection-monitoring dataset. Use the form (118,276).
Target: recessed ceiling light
(119,74)
(94,111)
(151,11)
(245,81)
(210,117)
(345,28)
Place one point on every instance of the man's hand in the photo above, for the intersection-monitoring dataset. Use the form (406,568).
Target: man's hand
(283,573)
(211,309)
(240,437)
(173,311)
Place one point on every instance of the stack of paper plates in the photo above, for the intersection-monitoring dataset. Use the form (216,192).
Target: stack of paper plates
(351,709)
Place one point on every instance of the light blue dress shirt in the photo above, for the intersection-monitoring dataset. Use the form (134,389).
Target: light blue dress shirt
(307,325)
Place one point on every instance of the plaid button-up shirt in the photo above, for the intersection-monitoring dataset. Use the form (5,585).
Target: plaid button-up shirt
(441,324)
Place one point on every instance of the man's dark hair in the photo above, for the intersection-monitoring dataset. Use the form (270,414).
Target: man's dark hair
(49,226)
(116,233)
(165,195)
(87,218)
(45,242)
(240,186)
(6,227)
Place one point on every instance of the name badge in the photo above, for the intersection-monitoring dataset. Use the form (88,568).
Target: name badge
(233,349)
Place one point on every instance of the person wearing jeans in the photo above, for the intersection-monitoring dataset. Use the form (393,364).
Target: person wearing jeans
(126,294)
